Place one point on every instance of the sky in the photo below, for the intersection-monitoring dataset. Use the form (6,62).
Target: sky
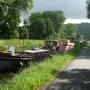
(74,10)
(71,8)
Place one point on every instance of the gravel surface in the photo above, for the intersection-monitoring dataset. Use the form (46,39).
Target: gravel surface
(76,76)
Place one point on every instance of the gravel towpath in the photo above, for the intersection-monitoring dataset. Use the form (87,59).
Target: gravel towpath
(76,76)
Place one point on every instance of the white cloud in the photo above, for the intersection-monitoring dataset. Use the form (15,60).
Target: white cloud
(76,21)
(21,22)
(67,21)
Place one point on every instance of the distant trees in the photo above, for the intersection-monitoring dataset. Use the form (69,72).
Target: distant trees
(88,15)
(38,28)
(41,28)
(44,25)
(84,30)
(10,16)
(56,17)
(49,28)
(69,31)
(48,24)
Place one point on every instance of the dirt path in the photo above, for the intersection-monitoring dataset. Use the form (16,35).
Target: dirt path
(76,76)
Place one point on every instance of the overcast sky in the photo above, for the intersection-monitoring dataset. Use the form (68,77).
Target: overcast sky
(73,9)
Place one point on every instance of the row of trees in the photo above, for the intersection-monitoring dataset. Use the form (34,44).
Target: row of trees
(69,31)
(54,22)
(39,25)
(46,24)
(43,25)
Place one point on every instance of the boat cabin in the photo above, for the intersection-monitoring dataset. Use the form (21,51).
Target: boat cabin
(51,44)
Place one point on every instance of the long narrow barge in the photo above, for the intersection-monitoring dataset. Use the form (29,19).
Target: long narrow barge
(20,59)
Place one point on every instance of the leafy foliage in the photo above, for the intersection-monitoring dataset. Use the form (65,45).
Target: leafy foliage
(41,28)
(49,28)
(35,16)
(69,31)
(23,33)
(38,28)
(57,18)
(88,8)
(10,16)
(44,25)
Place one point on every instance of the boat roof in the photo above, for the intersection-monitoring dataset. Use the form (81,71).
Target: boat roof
(51,41)
(36,51)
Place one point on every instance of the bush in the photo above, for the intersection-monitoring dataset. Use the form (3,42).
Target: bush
(78,47)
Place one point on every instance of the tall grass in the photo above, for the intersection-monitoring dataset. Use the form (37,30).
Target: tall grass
(20,44)
(37,75)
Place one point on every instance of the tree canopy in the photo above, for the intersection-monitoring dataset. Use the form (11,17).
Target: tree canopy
(69,31)
(10,16)
(88,8)
(57,18)
(38,28)
(51,23)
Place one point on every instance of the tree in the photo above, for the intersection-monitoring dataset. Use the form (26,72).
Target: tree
(41,28)
(88,8)
(49,28)
(57,18)
(38,28)
(69,31)
(35,16)
(52,20)
(84,29)
(10,16)
(23,31)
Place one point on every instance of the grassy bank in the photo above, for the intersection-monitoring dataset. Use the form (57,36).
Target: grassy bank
(20,44)
(37,75)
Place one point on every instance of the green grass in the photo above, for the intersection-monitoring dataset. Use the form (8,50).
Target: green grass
(18,44)
(37,75)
